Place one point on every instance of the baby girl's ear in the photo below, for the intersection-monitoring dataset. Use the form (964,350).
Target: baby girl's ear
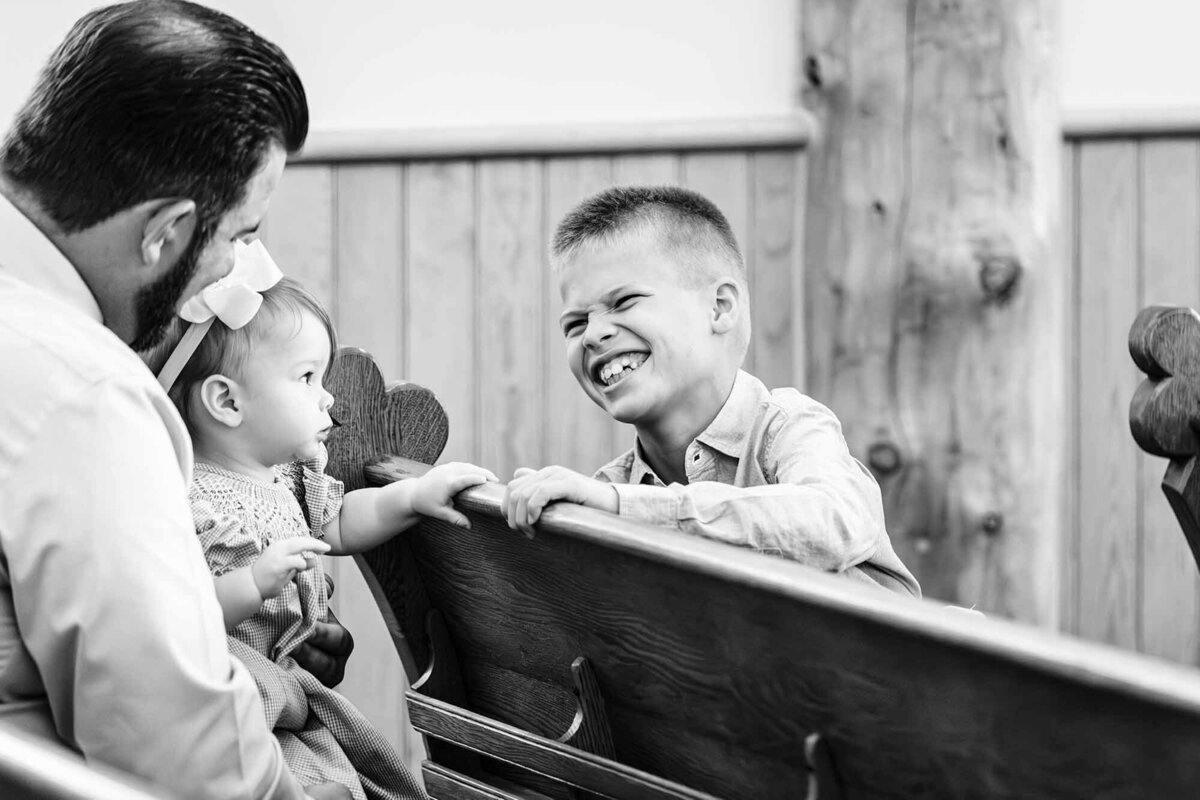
(220,398)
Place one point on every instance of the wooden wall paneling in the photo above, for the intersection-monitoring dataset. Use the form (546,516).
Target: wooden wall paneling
(646,168)
(443,310)
(1069,589)
(372,305)
(1170,225)
(1109,595)
(778,284)
(300,233)
(579,434)
(371,312)
(511,320)
(725,179)
(937,180)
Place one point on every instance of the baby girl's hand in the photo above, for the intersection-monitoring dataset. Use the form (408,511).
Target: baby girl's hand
(281,560)
(435,490)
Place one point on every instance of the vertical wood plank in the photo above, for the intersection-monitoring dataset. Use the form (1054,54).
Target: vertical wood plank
(511,318)
(725,179)
(1069,610)
(370,262)
(777,340)
(934,286)
(1170,220)
(1108,291)
(440,345)
(579,434)
(646,169)
(300,233)
(369,306)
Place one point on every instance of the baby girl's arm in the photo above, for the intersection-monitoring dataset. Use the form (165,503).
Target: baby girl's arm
(241,592)
(371,516)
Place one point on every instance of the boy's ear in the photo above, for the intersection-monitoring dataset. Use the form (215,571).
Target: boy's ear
(727,305)
(167,232)
(221,398)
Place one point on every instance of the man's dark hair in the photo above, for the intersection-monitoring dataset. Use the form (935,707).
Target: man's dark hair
(687,224)
(149,99)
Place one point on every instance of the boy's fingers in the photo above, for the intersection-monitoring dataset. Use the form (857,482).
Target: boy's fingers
(521,472)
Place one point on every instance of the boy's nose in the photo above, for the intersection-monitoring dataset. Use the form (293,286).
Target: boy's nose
(598,330)
(326,400)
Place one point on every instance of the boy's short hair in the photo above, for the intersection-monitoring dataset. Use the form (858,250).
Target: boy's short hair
(223,351)
(687,224)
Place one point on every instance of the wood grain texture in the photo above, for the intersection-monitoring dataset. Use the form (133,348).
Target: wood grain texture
(777,340)
(546,757)
(716,664)
(447,784)
(300,234)
(511,320)
(934,284)
(371,305)
(443,304)
(1109,553)
(1069,610)
(1170,221)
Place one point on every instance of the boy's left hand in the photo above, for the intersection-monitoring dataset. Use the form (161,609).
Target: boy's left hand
(532,490)
(434,492)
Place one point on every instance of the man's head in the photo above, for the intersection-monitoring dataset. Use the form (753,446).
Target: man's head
(656,316)
(152,140)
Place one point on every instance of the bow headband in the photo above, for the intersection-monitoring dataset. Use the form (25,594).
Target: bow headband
(234,300)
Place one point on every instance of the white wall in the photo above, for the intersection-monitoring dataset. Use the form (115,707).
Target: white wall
(388,64)
(1121,54)
(413,63)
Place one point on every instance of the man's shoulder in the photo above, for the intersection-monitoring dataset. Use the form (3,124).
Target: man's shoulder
(48,348)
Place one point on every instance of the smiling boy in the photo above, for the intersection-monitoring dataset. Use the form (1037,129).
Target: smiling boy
(657,325)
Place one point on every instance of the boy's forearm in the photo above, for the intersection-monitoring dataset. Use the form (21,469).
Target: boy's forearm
(238,595)
(372,516)
(821,528)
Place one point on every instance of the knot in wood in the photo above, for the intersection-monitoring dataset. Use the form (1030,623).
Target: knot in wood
(884,457)
(1164,414)
(992,523)
(999,276)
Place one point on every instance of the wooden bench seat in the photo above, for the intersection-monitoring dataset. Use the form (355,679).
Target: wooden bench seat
(606,658)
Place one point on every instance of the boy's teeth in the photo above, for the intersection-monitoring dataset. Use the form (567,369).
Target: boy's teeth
(615,370)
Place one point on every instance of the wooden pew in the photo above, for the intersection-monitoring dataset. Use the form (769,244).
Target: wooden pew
(605,658)
(1164,414)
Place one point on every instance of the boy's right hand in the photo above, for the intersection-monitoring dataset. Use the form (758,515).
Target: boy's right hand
(532,490)
(281,560)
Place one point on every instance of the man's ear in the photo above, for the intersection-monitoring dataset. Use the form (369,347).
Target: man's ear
(221,398)
(167,232)
(727,305)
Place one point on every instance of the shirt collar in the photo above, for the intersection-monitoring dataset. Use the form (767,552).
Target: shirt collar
(725,434)
(27,255)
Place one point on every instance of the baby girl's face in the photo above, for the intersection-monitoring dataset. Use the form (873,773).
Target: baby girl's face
(285,413)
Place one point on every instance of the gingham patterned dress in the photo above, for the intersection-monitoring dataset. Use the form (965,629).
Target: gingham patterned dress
(322,735)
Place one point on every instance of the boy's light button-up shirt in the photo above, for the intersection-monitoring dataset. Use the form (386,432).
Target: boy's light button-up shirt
(773,473)
(110,632)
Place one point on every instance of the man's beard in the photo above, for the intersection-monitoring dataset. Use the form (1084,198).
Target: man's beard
(155,304)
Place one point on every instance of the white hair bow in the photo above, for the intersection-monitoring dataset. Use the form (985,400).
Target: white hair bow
(234,300)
